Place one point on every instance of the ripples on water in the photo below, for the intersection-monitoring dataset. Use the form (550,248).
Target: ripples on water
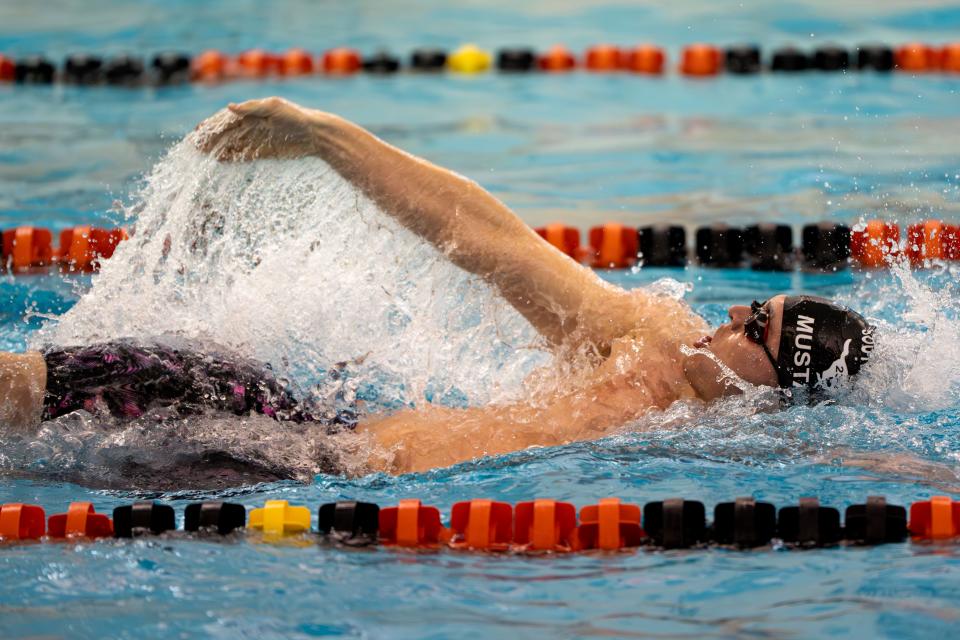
(580,149)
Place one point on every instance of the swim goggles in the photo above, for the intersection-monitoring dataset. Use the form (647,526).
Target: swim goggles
(755,327)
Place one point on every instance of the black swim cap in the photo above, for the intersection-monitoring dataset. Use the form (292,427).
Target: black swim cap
(821,343)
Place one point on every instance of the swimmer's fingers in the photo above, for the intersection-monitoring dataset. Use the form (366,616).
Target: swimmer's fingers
(231,138)
(265,108)
(255,129)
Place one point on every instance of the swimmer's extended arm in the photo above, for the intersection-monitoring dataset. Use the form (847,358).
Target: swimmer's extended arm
(566,302)
(419,439)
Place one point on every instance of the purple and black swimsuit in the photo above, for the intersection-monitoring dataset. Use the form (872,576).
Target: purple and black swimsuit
(127,379)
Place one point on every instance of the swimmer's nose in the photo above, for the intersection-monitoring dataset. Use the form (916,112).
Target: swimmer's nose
(738,314)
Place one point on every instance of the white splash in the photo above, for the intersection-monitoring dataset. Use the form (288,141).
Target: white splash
(288,263)
(916,362)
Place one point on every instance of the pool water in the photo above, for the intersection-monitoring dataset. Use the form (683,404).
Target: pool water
(580,148)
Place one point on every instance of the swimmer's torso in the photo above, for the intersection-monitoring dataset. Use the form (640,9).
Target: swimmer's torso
(642,373)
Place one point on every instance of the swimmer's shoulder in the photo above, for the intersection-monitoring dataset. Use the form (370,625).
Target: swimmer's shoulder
(664,319)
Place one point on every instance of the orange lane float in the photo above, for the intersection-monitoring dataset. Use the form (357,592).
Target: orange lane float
(481,525)
(931,240)
(256,63)
(613,246)
(564,238)
(603,57)
(610,525)
(296,62)
(645,58)
(917,57)
(950,58)
(22,521)
(701,60)
(27,247)
(80,521)
(875,244)
(341,61)
(935,519)
(557,58)
(411,524)
(210,66)
(545,525)
(82,248)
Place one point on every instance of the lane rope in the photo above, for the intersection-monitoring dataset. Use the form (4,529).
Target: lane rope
(699,60)
(541,525)
(825,246)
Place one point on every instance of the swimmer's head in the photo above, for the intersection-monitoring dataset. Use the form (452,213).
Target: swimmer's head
(787,341)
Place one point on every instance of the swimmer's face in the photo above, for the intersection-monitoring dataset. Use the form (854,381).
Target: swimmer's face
(731,346)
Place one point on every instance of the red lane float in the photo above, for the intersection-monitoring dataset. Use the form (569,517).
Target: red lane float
(27,247)
(22,521)
(557,58)
(935,519)
(645,58)
(950,58)
(917,57)
(82,248)
(256,63)
(609,526)
(701,60)
(296,62)
(603,57)
(80,521)
(411,524)
(341,61)
(545,525)
(613,246)
(931,240)
(210,66)
(564,238)
(875,244)
(482,525)
(8,69)
(950,242)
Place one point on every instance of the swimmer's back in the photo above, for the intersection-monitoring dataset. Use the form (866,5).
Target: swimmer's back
(126,379)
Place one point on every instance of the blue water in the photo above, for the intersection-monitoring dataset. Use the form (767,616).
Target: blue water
(579,148)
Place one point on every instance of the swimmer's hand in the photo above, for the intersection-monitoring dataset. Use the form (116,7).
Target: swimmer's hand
(263,129)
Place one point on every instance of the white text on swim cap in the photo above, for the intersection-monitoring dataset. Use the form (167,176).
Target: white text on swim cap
(803,343)
(866,346)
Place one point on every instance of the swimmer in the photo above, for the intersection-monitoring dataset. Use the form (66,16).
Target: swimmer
(643,351)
